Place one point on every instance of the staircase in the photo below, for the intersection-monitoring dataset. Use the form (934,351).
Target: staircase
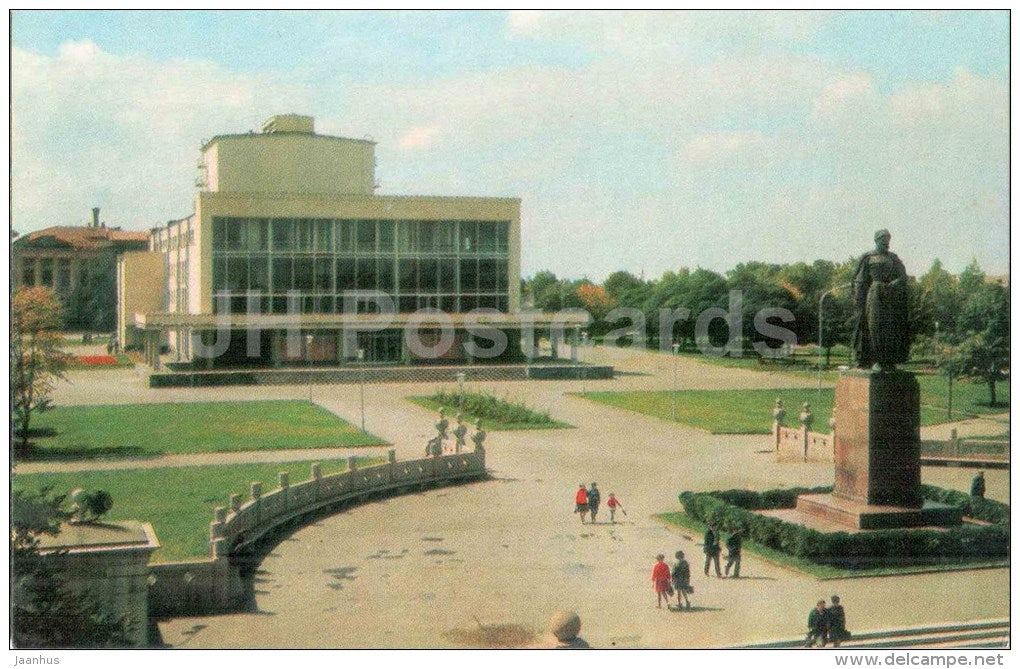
(978,634)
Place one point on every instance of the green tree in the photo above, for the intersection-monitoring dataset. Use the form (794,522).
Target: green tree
(45,613)
(35,356)
(985,357)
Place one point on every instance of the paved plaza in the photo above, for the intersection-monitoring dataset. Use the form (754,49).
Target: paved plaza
(406,571)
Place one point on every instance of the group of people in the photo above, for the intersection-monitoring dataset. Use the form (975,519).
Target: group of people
(827,624)
(713,548)
(668,582)
(435,446)
(587,501)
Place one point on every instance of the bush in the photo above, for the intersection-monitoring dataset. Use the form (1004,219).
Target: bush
(488,407)
(733,509)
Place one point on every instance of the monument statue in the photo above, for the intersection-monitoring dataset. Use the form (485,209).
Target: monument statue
(881,337)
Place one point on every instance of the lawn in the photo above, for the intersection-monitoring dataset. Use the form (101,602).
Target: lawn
(178,501)
(750,411)
(496,415)
(139,430)
(819,571)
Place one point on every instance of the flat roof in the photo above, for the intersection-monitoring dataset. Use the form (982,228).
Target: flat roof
(282,133)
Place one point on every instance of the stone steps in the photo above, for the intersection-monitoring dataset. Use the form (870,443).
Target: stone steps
(979,634)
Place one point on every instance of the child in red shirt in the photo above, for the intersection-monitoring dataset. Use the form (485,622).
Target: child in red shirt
(660,580)
(613,505)
(581,502)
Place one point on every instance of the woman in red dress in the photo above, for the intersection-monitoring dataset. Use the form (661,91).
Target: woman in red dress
(581,502)
(660,579)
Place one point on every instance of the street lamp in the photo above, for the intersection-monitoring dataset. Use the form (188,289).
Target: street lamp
(580,361)
(460,382)
(821,302)
(361,363)
(308,360)
(676,353)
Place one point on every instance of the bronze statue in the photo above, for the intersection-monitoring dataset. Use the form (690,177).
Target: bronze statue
(881,337)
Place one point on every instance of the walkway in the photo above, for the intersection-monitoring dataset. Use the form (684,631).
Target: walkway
(405,571)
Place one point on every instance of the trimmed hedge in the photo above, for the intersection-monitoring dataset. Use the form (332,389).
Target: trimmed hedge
(488,407)
(732,509)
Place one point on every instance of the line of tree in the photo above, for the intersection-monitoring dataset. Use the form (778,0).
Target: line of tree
(965,313)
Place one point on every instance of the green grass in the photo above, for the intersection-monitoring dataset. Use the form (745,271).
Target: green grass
(821,572)
(488,423)
(140,430)
(750,411)
(178,501)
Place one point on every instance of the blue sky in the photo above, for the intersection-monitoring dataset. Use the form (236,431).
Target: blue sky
(639,141)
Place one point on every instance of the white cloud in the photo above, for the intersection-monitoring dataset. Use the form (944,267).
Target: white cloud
(420,137)
(122,132)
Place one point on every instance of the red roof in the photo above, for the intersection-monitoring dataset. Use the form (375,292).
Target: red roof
(84,238)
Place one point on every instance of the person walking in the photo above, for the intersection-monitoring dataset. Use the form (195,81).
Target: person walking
(837,622)
(660,580)
(818,624)
(712,549)
(682,580)
(733,545)
(613,505)
(581,501)
(594,497)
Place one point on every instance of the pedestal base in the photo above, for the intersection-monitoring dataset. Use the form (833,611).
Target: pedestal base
(876,517)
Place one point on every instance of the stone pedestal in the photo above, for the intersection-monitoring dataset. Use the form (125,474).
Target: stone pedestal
(877,456)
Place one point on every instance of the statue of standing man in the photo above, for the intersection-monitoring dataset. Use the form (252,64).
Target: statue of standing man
(881,337)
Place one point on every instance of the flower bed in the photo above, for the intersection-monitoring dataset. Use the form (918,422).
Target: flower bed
(96,360)
(732,509)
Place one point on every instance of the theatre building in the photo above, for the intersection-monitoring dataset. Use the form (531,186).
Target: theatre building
(290,258)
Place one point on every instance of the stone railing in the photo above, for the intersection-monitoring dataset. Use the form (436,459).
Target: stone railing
(800,444)
(218,583)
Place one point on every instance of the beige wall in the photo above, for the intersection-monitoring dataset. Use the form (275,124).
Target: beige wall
(141,287)
(208,205)
(289,163)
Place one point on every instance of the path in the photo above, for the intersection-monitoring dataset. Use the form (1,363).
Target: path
(404,571)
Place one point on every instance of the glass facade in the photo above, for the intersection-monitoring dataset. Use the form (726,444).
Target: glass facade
(455,266)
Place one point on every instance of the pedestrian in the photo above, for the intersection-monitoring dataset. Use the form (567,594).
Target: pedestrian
(818,625)
(837,622)
(712,549)
(594,497)
(977,486)
(682,580)
(733,545)
(660,580)
(581,501)
(613,505)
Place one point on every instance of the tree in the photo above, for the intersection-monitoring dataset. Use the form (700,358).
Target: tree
(45,613)
(35,356)
(985,357)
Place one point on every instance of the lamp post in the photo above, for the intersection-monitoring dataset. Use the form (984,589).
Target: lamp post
(361,363)
(308,360)
(580,360)
(676,354)
(460,382)
(821,302)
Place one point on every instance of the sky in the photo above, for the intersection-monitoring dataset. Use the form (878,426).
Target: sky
(639,141)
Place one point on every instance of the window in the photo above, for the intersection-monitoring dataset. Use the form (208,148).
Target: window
(219,238)
(303,274)
(28,272)
(386,232)
(283,278)
(366,236)
(258,234)
(304,233)
(468,237)
(345,235)
(324,235)
(46,270)
(468,275)
(447,275)
(345,274)
(407,236)
(283,235)
(366,274)
(324,275)
(258,278)
(488,238)
(384,273)
(408,275)
(237,274)
(428,275)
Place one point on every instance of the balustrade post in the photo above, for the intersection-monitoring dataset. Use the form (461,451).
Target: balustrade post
(317,477)
(805,420)
(778,414)
(235,503)
(284,479)
(256,497)
(392,456)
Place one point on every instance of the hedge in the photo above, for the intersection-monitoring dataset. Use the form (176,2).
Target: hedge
(732,509)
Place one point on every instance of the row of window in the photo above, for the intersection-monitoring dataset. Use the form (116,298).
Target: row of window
(326,275)
(338,304)
(329,235)
(53,273)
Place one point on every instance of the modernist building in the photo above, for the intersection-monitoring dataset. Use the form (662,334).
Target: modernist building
(293,253)
(77,263)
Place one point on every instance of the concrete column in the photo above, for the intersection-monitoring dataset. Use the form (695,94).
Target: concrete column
(155,350)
